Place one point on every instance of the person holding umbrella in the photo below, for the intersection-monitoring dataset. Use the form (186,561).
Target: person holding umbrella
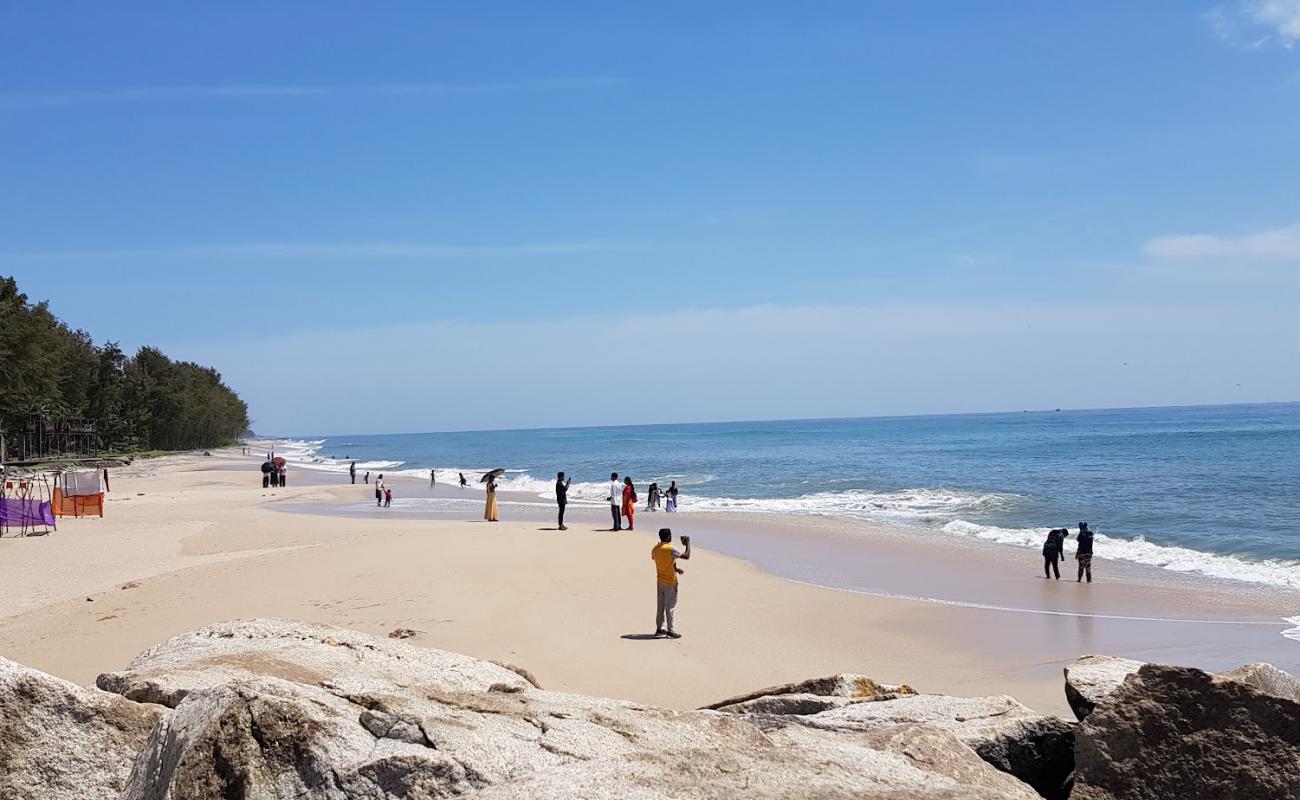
(490,510)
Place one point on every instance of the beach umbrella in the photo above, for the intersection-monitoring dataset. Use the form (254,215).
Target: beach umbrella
(278,461)
(496,473)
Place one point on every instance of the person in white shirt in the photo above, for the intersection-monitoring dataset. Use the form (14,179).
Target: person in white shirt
(616,501)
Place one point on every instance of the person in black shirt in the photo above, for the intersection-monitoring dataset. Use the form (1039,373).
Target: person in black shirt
(562,495)
(1084,555)
(1053,552)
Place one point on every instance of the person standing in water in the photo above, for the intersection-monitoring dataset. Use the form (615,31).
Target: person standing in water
(562,495)
(1084,553)
(379,490)
(433,478)
(615,501)
(388,497)
(1053,552)
(652,497)
(490,510)
(671,503)
(629,501)
(463,482)
(352,471)
(666,571)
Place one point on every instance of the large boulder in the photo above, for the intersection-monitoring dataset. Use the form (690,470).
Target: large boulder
(1180,732)
(294,651)
(1089,679)
(1015,739)
(269,709)
(1265,678)
(59,741)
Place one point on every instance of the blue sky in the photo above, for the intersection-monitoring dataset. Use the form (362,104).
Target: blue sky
(430,216)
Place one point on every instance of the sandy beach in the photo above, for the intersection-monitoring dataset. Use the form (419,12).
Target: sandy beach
(192,540)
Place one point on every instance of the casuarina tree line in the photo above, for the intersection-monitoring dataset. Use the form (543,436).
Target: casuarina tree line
(144,401)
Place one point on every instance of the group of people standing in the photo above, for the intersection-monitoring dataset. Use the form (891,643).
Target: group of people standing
(623,499)
(274,474)
(1054,552)
(383,493)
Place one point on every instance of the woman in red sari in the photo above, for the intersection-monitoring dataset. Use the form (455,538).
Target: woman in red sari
(629,500)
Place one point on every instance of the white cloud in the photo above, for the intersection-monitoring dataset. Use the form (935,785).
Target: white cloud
(141,94)
(1251,24)
(1280,244)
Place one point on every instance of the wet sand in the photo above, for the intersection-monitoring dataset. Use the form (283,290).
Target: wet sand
(206,543)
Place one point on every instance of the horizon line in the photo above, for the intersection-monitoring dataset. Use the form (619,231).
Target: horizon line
(792,419)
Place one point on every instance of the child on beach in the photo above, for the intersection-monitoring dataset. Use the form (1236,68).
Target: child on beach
(388,497)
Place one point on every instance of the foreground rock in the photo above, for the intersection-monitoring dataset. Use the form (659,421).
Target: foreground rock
(270,709)
(59,741)
(1090,679)
(1037,749)
(1180,732)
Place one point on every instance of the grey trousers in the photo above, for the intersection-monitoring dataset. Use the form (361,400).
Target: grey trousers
(666,605)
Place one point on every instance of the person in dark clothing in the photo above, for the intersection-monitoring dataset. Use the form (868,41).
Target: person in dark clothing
(352,471)
(266,474)
(1053,552)
(562,495)
(367,477)
(1084,555)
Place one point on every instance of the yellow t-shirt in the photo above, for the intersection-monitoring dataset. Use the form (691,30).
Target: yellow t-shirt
(663,555)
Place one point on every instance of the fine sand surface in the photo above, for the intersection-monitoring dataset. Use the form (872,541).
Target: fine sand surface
(197,540)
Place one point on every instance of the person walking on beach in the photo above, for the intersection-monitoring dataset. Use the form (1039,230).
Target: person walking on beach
(615,501)
(352,471)
(629,501)
(1084,553)
(367,477)
(463,482)
(388,497)
(666,571)
(1053,552)
(562,495)
(671,503)
(490,511)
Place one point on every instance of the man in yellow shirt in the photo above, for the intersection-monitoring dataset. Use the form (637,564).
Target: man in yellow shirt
(666,571)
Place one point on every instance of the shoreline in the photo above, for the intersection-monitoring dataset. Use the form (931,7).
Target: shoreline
(202,549)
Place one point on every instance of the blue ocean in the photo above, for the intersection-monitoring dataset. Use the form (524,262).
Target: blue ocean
(1212,490)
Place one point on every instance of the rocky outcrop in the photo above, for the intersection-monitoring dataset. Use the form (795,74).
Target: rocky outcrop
(1265,678)
(59,741)
(1035,748)
(270,709)
(844,685)
(1089,679)
(1180,732)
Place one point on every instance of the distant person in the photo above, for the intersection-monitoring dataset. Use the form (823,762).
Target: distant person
(388,497)
(652,497)
(267,466)
(463,482)
(671,503)
(433,478)
(666,571)
(1084,553)
(379,490)
(629,501)
(562,485)
(352,471)
(367,477)
(1053,552)
(615,501)
(275,475)
(284,475)
(490,510)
